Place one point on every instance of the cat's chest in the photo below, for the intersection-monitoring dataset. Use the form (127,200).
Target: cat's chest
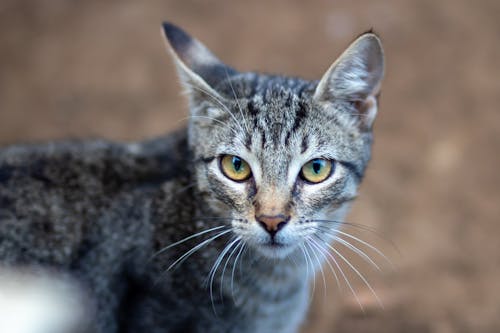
(273,310)
(269,296)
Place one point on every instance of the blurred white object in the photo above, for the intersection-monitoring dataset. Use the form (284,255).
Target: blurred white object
(34,301)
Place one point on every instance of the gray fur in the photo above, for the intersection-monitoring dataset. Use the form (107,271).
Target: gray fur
(105,212)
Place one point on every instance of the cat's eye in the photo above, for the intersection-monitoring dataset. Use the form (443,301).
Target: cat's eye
(317,170)
(235,168)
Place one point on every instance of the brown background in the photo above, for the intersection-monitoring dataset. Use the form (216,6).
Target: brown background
(99,69)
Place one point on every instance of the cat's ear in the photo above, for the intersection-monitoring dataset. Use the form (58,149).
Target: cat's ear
(199,70)
(355,77)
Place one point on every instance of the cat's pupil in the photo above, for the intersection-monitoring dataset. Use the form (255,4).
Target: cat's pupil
(318,165)
(236,163)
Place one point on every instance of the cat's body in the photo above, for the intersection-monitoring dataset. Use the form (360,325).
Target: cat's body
(84,208)
(99,210)
(110,215)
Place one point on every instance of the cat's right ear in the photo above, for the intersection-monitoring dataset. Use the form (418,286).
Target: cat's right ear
(199,70)
(355,77)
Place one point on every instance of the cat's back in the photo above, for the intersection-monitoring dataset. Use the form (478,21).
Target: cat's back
(80,163)
(82,210)
(56,198)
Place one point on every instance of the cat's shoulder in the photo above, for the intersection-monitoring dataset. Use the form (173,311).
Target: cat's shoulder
(55,197)
(83,162)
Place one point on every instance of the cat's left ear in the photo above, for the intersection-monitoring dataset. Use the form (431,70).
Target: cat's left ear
(199,70)
(355,77)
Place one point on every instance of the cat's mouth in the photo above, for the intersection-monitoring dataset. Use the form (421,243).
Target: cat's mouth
(275,244)
(275,249)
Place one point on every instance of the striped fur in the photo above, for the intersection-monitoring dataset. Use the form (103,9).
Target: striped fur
(277,124)
(158,239)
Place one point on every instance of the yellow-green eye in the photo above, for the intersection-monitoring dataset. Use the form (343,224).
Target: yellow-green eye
(317,170)
(235,168)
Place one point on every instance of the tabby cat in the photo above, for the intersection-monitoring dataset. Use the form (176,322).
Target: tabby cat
(219,227)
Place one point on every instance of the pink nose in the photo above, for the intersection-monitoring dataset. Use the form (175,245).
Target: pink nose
(274,223)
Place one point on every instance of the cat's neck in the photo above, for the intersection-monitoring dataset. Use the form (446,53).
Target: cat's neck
(266,288)
(278,275)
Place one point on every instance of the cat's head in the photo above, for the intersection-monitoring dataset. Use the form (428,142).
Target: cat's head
(282,157)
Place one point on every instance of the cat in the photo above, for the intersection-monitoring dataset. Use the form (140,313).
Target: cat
(218,227)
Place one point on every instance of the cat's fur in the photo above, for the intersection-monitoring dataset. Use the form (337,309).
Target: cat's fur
(100,211)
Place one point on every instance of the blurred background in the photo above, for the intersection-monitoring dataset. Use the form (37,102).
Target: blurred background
(99,68)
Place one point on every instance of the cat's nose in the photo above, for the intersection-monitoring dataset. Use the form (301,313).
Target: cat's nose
(272,223)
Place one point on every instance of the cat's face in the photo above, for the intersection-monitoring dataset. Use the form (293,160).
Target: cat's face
(281,157)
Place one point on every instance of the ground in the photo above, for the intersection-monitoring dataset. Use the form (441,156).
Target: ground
(99,69)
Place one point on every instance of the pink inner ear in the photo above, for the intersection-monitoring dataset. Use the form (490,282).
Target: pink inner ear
(365,105)
(367,111)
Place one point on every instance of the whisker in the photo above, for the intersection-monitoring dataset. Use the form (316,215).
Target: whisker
(211,274)
(186,255)
(305,259)
(292,259)
(358,251)
(242,258)
(346,234)
(237,101)
(309,262)
(225,107)
(322,251)
(320,267)
(224,125)
(234,268)
(349,224)
(196,248)
(214,269)
(198,234)
(357,273)
(344,277)
(361,227)
(237,136)
(309,275)
(233,251)
(184,188)
(211,118)
(218,218)
(350,246)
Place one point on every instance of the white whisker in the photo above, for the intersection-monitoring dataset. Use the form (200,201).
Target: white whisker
(196,248)
(319,265)
(237,101)
(213,119)
(360,227)
(322,251)
(305,259)
(367,245)
(224,107)
(357,251)
(344,277)
(234,267)
(233,251)
(187,238)
(215,267)
(357,273)
(309,262)
(184,188)
(353,248)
